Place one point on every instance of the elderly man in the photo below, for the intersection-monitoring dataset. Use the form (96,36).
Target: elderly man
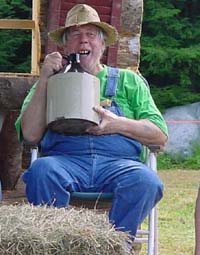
(107,157)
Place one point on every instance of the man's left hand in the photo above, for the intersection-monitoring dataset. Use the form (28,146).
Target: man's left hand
(108,122)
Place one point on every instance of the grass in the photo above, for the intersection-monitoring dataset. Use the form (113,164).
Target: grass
(176,161)
(176,212)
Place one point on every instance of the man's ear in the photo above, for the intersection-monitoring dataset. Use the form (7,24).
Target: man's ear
(104,45)
(103,48)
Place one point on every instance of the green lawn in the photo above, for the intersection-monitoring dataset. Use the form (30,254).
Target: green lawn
(176,212)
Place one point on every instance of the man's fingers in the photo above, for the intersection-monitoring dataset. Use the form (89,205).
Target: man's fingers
(100,110)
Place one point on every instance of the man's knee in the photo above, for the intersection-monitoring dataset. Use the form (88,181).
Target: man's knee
(41,167)
(150,185)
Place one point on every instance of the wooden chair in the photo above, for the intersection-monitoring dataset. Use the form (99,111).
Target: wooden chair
(103,201)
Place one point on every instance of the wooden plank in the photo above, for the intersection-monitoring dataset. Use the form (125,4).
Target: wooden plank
(112,56)
(114,21)
(65,7)
(36,42)
(53,23)
(105,18)
(4,74)
(16,24)
(102,10)
(90,2)
(116,13)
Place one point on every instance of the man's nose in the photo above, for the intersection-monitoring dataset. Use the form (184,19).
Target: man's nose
(83,38)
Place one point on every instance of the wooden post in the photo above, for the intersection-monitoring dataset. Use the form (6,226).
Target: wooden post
(36,43)
(12,93)
(10,152)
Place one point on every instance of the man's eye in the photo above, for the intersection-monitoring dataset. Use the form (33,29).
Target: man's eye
(91,34)
(75,34)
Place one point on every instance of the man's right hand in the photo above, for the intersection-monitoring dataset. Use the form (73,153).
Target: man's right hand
(52,63)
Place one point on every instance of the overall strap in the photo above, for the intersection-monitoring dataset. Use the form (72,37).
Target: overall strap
(112,81)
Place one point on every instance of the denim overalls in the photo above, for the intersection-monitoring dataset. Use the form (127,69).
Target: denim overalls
(106,163)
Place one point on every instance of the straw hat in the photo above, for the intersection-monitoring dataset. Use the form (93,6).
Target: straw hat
(82,14)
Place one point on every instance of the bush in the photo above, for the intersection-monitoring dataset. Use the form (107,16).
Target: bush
(172,162)
(170,51)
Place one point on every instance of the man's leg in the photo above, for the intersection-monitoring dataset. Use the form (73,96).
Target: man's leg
(197,225)
(50,180)
(136,189)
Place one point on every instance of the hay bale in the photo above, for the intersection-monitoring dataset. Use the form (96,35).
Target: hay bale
(27,229)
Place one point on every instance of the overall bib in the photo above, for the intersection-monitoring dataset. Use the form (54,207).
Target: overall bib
(106,163)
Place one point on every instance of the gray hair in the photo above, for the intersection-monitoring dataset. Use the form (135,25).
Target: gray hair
(102,35)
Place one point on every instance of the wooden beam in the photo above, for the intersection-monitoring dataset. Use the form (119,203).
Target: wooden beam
(36,42)
(16,24)
(53,23)
(12,75)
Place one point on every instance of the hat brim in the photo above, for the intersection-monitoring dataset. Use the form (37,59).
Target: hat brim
(112,35)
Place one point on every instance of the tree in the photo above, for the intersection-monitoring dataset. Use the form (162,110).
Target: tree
(15,45)
(170,51)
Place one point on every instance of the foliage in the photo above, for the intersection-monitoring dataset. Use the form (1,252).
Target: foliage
(15,9)
(15,45)
(173,96)
(170,50)
(172,162)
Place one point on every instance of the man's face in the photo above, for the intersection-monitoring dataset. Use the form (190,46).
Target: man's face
(86,41)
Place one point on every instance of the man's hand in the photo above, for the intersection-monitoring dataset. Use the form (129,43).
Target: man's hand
(143,130)
(33,131)
(108,123)
(52,63)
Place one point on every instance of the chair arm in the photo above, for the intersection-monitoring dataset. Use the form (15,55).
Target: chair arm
(155,148)
(34,150)
(34,153)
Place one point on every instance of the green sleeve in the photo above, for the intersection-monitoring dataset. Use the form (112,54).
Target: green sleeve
(141,101)
(24,106)
(149,110)
(134,97)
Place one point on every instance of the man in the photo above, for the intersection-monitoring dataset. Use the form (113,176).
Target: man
(107,157)
(197,225)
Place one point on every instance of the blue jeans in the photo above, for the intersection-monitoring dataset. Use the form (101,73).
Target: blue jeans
(96,164)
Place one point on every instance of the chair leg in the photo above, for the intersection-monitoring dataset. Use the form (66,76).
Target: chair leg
(156,233)
(151,227)
(153,218)
(153,233)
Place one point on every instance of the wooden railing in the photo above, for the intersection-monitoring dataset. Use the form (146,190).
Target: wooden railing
(30,25)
